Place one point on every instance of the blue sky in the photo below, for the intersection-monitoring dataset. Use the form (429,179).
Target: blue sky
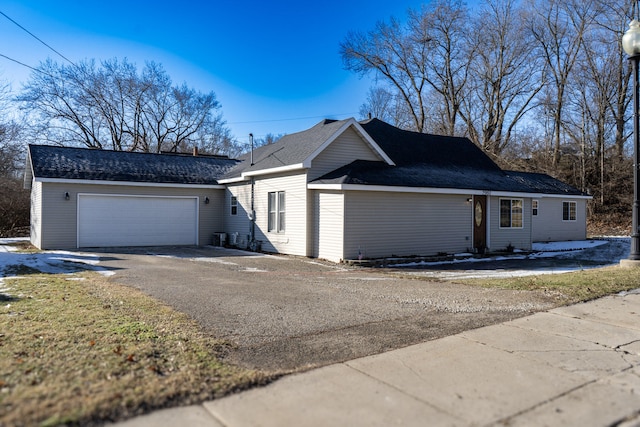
(274,65)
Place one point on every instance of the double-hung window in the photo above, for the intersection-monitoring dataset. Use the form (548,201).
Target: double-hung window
(511,213)
(569,211)
(534,207)
(234,205)
(276,221)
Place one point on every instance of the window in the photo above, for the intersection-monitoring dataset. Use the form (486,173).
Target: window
(534,207)
(276,212)
(511,213)
(234,205)
(569,211)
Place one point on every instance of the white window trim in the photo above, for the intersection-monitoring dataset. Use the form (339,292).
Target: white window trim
(575,212)
(511,227)
(233,205)
(535,207)
(276,225)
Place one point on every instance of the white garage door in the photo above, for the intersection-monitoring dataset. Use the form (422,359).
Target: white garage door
(114,220)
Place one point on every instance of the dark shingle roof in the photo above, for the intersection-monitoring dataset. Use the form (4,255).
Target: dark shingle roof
(406,147)
(543,183)
(291,149)
(434,161)
(87,164)
(361,172)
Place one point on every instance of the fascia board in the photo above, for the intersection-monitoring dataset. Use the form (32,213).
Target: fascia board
(389,188)
(129,183)
(373,144)
(430,190)
(232,180)
(280,169)
(28,172)
(538,195)
(559,196)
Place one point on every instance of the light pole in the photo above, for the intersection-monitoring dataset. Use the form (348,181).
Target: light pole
(631,45)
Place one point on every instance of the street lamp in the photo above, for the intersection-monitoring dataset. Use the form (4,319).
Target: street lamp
(631,45)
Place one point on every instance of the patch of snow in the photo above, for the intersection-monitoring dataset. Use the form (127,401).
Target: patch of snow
(570,256)
(567,246)
(51,262)
(213,260)
(253,270)
(497,274)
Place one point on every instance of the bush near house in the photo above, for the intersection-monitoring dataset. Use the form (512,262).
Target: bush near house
(14,208)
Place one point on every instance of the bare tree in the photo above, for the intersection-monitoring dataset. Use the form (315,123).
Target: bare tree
(615,71)
(14,199)
(558,27)
(425,55)
(448,53)
(384,104)
(113,106)
(503,78)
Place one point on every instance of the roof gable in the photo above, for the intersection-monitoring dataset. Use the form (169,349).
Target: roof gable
(51,162)
(297,150)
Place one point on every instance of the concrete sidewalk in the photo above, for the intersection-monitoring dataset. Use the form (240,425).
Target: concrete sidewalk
(571,366)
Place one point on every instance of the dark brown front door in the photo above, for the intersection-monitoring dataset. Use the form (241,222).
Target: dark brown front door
(480,223)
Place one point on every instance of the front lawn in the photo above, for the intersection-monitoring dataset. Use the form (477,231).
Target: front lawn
(573,287)
(76,349)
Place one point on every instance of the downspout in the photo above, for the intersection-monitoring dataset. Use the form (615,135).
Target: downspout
(252,214)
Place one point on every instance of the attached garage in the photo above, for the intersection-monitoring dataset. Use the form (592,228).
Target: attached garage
(124,220)
(83,198)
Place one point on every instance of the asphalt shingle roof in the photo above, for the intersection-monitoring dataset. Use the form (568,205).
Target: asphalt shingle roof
(88,164)
(434,161)
(289,150)
(421,160)
(406,147)
(361,172)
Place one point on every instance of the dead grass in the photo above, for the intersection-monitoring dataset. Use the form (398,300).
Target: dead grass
(76,349)
(23,246)
(571,287)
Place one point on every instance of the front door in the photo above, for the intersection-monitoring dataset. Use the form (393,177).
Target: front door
(480,223)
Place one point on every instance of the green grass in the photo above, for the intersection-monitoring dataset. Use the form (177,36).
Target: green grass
(77,349)
(573,287)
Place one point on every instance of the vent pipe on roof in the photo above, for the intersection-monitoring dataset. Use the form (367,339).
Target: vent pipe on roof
(251,141)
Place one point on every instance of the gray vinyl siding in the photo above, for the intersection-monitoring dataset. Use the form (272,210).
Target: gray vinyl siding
(239,224)
(36,214)
(549,226)
(500,238)
(59,219)
(329,225)
(293,240)
(380,224)
(349,146)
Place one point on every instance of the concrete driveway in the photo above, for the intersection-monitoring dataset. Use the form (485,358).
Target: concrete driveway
(286,313)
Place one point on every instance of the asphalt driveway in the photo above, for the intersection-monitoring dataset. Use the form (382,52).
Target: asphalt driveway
(285,313)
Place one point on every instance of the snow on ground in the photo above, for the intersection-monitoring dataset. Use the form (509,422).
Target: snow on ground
(567,246)
(545,258)
(53,262)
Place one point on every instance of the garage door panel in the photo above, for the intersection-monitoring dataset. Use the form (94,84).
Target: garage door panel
(107,220)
